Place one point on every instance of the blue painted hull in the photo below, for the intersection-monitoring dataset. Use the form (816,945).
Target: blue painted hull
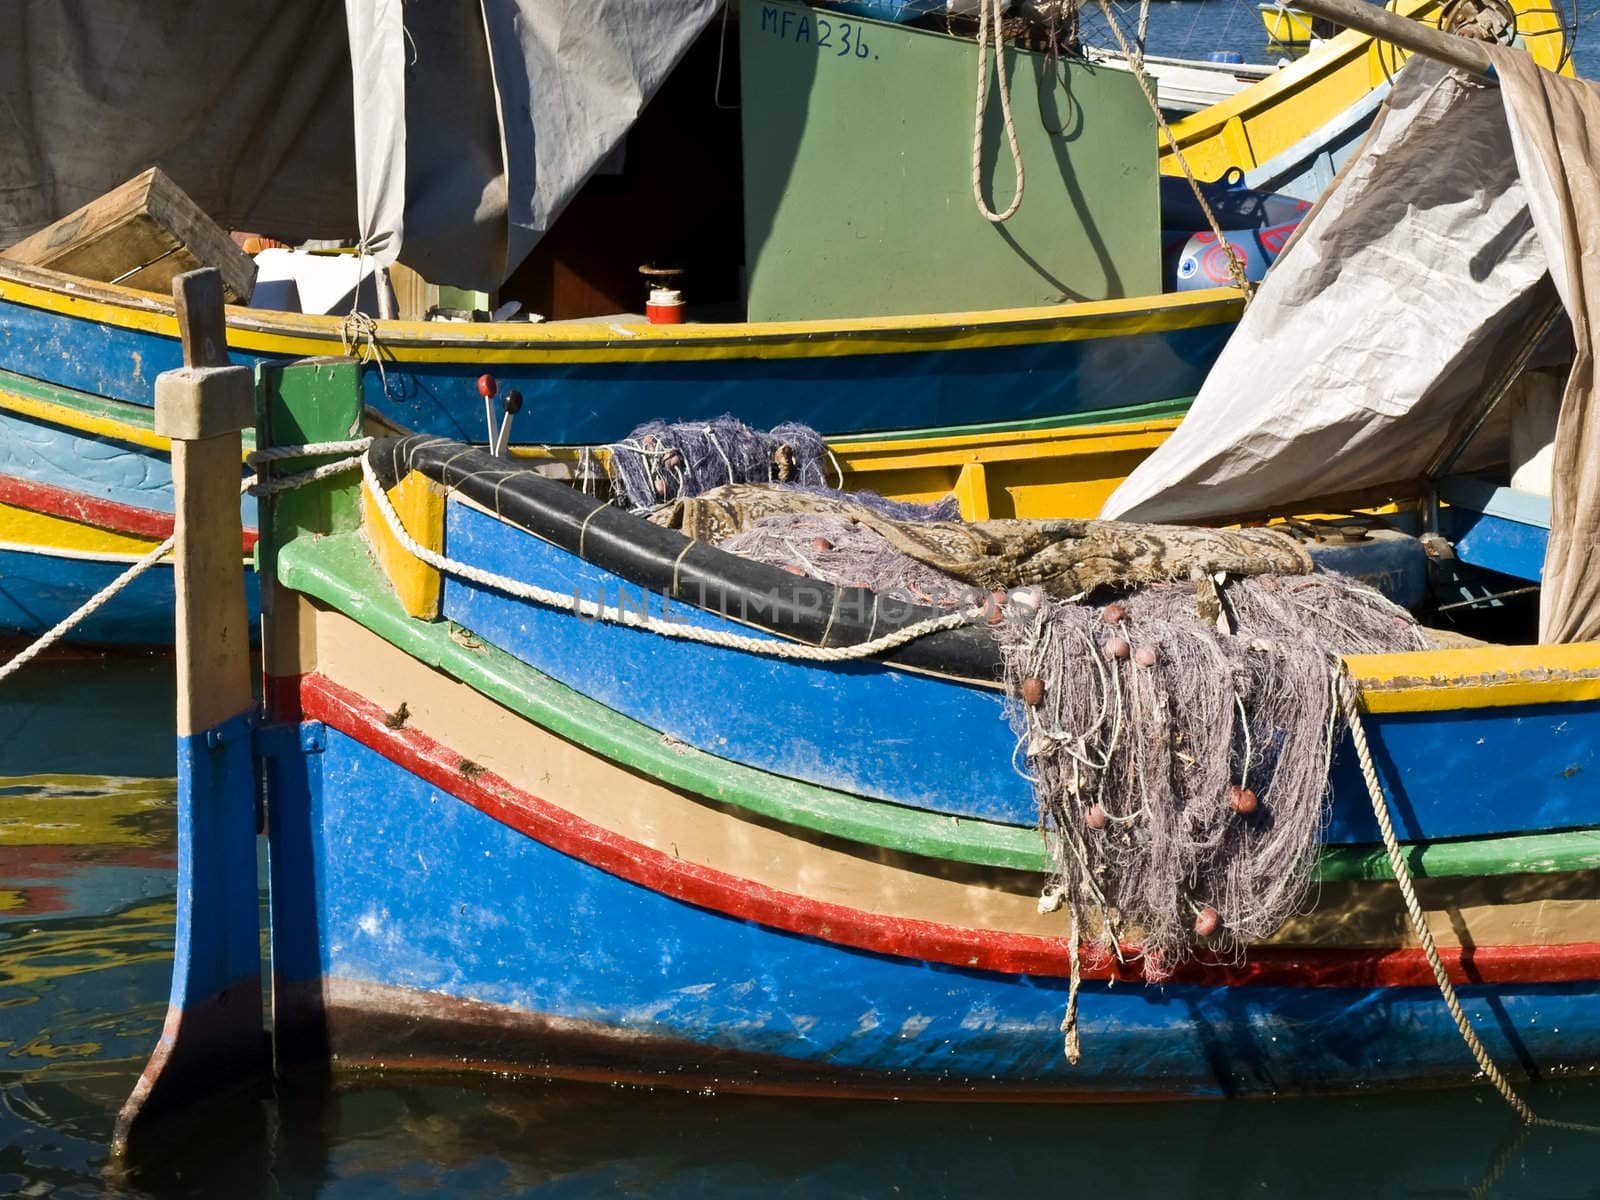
(934,743)
(599,402)
(104,468)
(37,590)
(418,912)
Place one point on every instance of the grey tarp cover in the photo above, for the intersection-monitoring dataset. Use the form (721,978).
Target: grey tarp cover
(246,106)
(499,132)
(1405,291)
(476,120)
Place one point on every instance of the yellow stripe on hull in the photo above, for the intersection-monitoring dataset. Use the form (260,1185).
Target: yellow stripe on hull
(23,529)
(299,336)
(1478,677)
(78,421)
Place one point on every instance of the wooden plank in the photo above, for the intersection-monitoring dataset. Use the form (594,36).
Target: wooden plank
(197,298)
(143,235)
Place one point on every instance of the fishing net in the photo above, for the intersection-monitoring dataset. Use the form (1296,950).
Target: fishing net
(1066,557)
(1180,759)
(839,549)
(660,461)
(1176,718)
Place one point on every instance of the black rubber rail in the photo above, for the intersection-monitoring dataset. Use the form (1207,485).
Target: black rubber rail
(693,573)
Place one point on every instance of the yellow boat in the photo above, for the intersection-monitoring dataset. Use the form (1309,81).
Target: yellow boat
(1286,26)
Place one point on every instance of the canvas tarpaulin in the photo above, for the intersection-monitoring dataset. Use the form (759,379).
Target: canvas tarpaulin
(1555,131)
(469,123)
(1410,285)
(509,107)
(246,107)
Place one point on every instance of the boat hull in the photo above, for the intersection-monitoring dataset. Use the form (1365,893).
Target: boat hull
(447,906)
(475,867)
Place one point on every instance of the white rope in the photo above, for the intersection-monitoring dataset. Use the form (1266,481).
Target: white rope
(593,610)
(987,10)
(1408,893)
(251,485)
(87,609)
(287,483)
(312,450)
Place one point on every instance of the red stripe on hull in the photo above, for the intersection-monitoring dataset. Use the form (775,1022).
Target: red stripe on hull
(1007,953)
(111,515)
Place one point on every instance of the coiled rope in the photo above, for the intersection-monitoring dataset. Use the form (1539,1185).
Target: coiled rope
(594,610)
(1348,699)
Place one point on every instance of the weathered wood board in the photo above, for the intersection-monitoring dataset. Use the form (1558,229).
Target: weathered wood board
(858,173)
(142,234)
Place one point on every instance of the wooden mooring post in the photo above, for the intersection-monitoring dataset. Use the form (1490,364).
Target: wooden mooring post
(213,1038)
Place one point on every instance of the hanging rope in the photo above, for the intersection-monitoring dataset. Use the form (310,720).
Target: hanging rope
(1348,699)
(1235,261)
(592,610)
(989,11)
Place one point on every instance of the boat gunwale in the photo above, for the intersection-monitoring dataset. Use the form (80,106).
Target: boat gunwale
(1182,310)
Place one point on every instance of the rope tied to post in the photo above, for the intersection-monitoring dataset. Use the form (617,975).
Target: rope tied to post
(251,485)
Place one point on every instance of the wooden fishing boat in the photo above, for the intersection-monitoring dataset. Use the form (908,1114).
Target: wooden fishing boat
(517,850)
(558,788)
(84,479)
(1286,26)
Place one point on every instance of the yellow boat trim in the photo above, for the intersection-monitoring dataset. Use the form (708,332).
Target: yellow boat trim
(419,502)
(862,454)
(25,530)
(1286,26)
(78,421)
(1257,124)
(1477,677)
(300,336)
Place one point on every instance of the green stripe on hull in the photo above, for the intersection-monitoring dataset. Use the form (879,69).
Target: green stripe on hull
(339,571)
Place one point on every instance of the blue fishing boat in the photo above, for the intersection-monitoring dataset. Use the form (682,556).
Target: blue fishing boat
(500,842)
(83,488)
(775,789)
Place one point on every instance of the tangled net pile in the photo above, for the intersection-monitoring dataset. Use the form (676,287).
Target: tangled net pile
(1180,762)
(1177,735)
(660,461)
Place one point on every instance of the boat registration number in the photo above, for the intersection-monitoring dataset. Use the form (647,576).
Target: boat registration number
(843,39)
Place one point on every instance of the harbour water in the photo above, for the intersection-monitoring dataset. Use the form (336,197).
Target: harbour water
(87,863)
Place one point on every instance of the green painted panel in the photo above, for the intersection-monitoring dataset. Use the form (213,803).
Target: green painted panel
(302,403)
(858,173)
